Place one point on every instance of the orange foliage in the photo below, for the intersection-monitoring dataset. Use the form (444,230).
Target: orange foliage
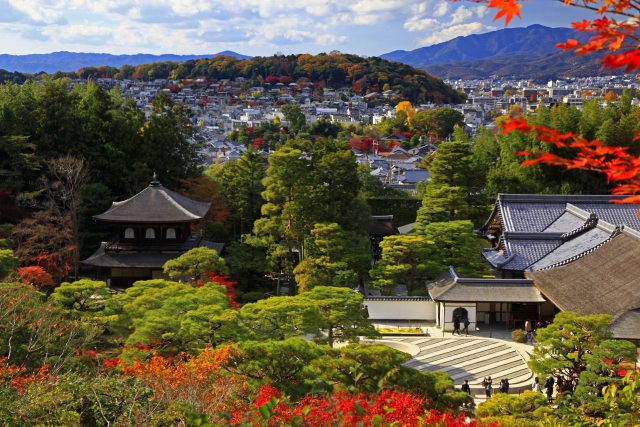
(193,380)
(207,190)
(36,276)
(19,378)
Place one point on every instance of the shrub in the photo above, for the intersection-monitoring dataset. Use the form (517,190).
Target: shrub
(252,296)
(519,336)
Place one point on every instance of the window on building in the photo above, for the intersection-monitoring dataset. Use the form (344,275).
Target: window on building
(129,233)
(171,233)
(150,233)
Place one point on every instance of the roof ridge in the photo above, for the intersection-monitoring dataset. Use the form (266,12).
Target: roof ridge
(569,260)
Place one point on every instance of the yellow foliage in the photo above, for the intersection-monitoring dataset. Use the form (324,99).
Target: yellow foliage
(408,109)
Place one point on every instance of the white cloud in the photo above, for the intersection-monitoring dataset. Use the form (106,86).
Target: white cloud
(454,31)
(460,15)
(481,10)
(441,9)
(416,23)
(38,10)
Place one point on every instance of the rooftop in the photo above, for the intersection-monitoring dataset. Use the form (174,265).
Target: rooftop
(155,204)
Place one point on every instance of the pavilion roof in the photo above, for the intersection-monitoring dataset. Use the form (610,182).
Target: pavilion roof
(155,204)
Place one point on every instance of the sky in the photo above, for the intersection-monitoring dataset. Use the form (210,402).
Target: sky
(253,27)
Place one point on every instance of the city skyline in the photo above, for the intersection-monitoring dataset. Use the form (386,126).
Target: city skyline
(253,27)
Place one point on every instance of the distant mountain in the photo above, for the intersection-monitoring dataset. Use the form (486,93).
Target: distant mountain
(72,61)
(534,40)
(541,67)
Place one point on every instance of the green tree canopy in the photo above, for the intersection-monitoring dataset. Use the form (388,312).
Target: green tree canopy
(8,262)
(457,245)
(279,318)
(343,316)
(333,258)
(84,296)
(195,264)
(161,314)
(406,259)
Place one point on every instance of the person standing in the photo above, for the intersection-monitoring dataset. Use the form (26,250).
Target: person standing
(528,327)
(536,385)
(466,326)
(466,388)
(487,384)
(456,325)
(548,385)
(506,385)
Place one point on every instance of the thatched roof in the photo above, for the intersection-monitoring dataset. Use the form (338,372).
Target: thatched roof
(606,280)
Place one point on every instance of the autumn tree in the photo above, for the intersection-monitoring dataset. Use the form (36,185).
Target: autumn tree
(69,175)
(42,239)
(571,150)
(407,108)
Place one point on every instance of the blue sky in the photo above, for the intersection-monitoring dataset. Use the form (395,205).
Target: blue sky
(252,27)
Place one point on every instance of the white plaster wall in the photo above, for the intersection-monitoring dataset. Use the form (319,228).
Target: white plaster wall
(401,310)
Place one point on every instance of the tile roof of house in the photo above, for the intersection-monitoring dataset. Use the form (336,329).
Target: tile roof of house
(155,204)
(540,231)
(450,287)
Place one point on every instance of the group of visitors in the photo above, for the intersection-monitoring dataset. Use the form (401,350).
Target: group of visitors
(487,384)
(561,383)
(457,320)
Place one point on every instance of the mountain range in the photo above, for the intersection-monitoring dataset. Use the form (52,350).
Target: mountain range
(522,53)
(72,61)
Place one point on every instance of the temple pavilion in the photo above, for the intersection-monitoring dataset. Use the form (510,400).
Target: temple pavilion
(149,229)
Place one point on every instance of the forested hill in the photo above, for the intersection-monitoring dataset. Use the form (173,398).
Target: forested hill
(335,70)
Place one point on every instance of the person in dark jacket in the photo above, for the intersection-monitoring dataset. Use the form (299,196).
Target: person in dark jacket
(548,385)
(465,387)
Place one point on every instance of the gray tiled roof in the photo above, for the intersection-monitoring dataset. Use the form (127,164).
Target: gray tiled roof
(527,251)
(566,222)
(536,212)
(529,217)
(615,214)
(452,288)
(553,227)
(576,246)
(416,175)
(155,204)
